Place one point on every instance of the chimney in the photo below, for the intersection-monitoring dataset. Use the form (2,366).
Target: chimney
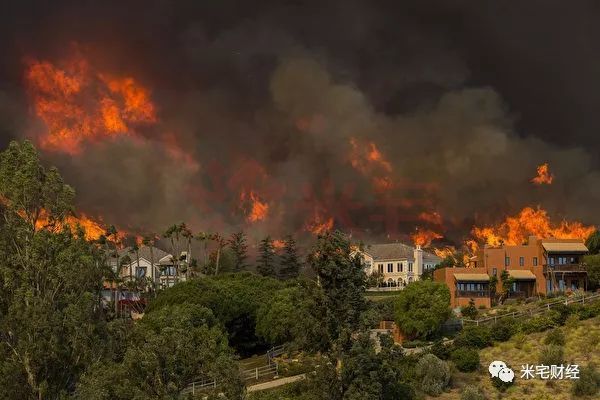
(418,254)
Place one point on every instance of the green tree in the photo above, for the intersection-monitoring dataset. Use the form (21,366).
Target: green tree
(221,243)
(593,270)
(168,349)
(266,257)
(291,316)
(433,374)
(342,278)
(290,262)
(51,327)
(422,307)
(239,247)
(593,243)
(469,311)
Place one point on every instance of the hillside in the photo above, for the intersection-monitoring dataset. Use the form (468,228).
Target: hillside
(582,347)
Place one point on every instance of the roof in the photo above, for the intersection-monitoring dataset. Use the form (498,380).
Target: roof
(144,252)
(521,274)
(396,251)
(562,247)
(471,277)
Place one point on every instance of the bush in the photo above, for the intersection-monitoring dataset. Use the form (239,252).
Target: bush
(471,392)
(555,336)
(552,355)
(520,339)
(573,321)
(588,382)
(504,329)
(474,336)
(469,311)
(440,350)
(433,374)
(539,323)
(466,359)
(411,344)
(501,385)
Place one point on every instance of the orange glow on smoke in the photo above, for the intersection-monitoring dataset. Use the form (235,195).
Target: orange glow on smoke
(278,244)
(77,103)
(424,237)
(257,210)
(515,230)
(543,175)
(432,217)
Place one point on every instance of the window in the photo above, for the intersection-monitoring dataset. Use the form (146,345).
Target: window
(495,271)
(410,267)
(168,271)
(399,267)
(390,267)
(140,272)
(535,261)
(506,261)
(380,267)
(551,260)
(521,261)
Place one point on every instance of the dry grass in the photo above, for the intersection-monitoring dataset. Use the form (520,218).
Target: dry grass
(582,347)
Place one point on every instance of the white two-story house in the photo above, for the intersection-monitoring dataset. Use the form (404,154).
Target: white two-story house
(399,264)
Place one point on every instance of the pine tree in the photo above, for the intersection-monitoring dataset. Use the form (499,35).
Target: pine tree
(239,247)
(266,259)
(290,264)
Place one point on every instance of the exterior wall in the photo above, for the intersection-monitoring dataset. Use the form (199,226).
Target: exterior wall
(404,277)
(446,275)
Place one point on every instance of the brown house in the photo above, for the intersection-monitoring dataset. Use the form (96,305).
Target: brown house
(540,266)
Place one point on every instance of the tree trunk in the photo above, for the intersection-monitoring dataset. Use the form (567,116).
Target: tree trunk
(217,260)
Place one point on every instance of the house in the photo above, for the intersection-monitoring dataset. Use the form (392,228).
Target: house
(154,264)
(397,263)
(540,266)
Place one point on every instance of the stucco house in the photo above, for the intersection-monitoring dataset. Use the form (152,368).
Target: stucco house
(154,264)
(399,264)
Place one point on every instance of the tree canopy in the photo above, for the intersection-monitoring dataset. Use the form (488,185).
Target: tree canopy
(422,307)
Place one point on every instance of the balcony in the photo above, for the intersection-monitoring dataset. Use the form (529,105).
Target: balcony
(472,293)
(569,268)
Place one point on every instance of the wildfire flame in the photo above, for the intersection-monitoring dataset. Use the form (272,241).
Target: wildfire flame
(92,228)
(278,244)
(515,230)
(77,103)
(257,209)
(432,217)
(424,237)
(543,175)
(319,224)
(369,161)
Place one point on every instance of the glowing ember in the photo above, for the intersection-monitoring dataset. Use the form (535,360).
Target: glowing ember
(257,209)
(543,175)
(515,230)
(76,103)
(424,237)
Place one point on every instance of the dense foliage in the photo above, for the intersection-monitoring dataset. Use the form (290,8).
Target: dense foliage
(422,307)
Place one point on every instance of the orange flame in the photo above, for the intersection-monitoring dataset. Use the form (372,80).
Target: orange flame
(543,175)
(432,217)
(424,237)
(369,161)
(258,209)
(515,230)
(77,104)
(319,224)
(93,229)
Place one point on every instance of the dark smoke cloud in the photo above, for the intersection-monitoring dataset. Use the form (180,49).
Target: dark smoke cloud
(464,99)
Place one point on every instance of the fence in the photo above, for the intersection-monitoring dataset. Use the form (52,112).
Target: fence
(582,299)
(275,352)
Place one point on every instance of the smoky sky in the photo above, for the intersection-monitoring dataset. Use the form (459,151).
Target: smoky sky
(463,98)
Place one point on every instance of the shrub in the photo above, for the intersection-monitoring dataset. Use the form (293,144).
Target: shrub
(552,355)
(559,313)
(469,311)
(538,323)
(504,329)
(440,350)
(501,385)
(411,344)
(573,321)
(471,392)
(474,336)
(466,359)
(555,336)
(588,382)
(433,374)
(520,339)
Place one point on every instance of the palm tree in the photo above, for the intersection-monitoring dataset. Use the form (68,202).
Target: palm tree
(149,242)
(204,237)
(187,234)
(172,233)
(112,231)
(221,242)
